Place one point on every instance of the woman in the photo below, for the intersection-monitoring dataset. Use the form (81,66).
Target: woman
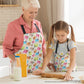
(24,35)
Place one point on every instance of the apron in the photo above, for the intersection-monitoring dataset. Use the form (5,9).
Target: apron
(32,46)
(62,63)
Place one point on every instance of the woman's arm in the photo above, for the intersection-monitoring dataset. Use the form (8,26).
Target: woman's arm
(12,57)
(9,42)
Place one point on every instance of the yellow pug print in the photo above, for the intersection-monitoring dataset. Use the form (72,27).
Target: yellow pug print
(75,44)
(61,53)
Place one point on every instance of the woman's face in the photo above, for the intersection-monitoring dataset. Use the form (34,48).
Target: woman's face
(30,13)
(61,36)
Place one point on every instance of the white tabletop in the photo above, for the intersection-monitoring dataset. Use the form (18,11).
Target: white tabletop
(32,79)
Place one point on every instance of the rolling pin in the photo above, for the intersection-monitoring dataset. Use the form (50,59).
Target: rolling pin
(47,75)
(82,79)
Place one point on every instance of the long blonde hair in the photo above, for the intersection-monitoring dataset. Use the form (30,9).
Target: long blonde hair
(60,25)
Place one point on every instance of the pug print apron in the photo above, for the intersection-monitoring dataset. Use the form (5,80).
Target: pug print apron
(32,46)
(62,62)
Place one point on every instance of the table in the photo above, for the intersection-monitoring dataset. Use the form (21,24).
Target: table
(32,79)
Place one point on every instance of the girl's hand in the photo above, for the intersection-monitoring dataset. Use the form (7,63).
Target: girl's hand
(50,65)
(38,72)
(68,76)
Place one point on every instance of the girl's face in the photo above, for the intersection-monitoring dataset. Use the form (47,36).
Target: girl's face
(30,13)
(61,35)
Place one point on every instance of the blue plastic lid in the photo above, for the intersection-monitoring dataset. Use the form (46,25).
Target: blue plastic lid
(17,56)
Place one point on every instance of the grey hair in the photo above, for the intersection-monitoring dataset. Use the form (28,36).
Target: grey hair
(30,3)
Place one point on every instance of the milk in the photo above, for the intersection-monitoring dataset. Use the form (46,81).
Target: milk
(17,73)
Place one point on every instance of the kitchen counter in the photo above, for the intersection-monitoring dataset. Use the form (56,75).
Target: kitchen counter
(32,79)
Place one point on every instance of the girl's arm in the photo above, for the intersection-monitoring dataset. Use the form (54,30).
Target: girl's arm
(47,59)
(72,60)
(72,64)
(45,62)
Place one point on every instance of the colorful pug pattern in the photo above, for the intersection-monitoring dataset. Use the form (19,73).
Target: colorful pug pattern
(62,62)
(32,46)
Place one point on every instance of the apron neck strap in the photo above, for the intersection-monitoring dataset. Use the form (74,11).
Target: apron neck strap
(58,43)
(56,46)
(67,45)
(36,27)
(23,29)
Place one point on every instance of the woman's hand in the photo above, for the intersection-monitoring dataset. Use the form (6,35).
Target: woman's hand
(50,65)
(38,72)
(68,76)
(12,57)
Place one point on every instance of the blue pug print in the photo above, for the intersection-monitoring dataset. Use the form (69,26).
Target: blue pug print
(25,42)
(36,67)
(40,45)
(64,67)
(37,53)
(39,58)
(26,47)
(27,61)
(37,40)
(62,58)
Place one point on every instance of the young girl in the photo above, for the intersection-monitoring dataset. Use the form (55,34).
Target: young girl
(64,49)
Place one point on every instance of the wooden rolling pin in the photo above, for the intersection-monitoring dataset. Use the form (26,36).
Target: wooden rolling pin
(47,75)
(82,79)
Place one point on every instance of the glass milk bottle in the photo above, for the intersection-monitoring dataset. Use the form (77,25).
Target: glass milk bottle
(17,75)
(11,69)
